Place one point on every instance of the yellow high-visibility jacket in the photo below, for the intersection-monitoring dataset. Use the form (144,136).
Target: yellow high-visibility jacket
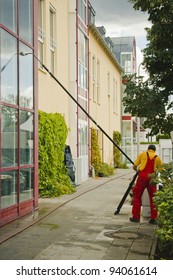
(141,160)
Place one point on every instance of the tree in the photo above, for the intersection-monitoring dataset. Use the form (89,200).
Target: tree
(146,100)
(158,61)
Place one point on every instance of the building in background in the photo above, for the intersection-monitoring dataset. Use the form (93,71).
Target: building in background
(18,98)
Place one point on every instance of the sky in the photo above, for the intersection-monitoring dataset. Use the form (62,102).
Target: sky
(120,19)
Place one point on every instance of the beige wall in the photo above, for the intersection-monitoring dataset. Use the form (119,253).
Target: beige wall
(52,97)
(102,111)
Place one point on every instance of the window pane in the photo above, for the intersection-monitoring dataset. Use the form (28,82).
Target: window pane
(26,184)
(126,62)
(81,47)
(8,188)
(52,61)
(8,14)
(26,138)
(26,77)
(52,16)
(9,141)
(82,10)
(83,139)
(51,24)
(8,68)
(40,53)
(41,14)
(26,20)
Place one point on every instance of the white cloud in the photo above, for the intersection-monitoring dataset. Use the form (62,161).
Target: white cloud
(120,19)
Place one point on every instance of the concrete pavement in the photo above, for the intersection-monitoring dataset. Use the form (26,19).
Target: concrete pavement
(81,226)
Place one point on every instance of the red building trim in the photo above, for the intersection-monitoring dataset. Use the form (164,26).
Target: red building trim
(126,118)
(35,43)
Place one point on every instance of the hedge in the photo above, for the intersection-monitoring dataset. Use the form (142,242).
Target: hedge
(53,178)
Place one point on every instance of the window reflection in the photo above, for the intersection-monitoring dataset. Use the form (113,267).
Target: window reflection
(9,142)
(26,20)
(8,68)
(8,14)
(82,132)
(26,190)
(26,77)
(26,137)
(8,188)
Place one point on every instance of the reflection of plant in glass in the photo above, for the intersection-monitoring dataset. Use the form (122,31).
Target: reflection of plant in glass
(12,114)
(10,98)
(9,118)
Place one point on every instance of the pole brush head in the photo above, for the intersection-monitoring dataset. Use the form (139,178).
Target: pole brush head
(116,212)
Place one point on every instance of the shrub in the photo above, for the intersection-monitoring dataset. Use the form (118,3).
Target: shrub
(163,136)
(116,151)
(164,203)
(95,151)
(53,178)
(102,169)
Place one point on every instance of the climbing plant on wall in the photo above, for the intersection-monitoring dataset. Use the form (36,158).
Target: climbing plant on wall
(116,151)
(95,150)
(53,178)
(101,168)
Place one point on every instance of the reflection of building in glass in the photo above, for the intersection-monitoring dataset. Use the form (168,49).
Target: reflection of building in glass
(18,155)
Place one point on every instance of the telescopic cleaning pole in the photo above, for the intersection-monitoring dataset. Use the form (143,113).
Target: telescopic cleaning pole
(86,113)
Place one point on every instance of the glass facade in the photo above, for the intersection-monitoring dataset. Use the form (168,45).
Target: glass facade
(17,105)
(126,62)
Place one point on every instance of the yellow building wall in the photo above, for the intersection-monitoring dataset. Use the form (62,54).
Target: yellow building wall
(102,111)
(51,97)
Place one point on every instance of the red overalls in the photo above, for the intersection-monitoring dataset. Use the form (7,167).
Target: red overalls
(143,182)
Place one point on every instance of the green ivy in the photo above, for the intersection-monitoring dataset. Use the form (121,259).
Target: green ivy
(102,169)
(53,178)
(116,151)
(95,150)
